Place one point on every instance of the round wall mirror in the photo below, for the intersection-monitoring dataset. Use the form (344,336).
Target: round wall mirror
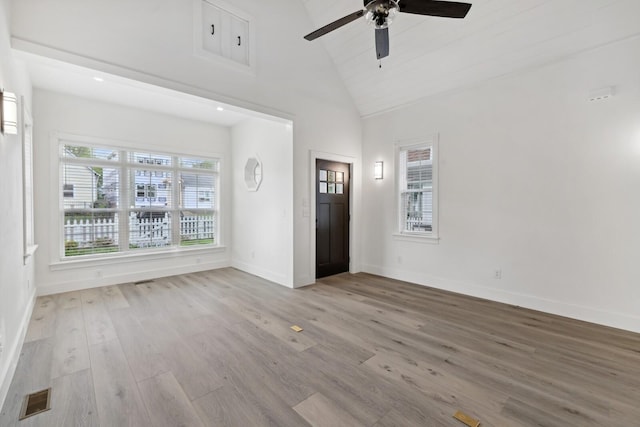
(253,174)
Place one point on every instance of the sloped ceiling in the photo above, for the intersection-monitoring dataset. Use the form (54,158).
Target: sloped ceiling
(432,55)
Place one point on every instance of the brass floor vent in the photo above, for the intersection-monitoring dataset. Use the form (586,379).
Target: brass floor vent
(36,403)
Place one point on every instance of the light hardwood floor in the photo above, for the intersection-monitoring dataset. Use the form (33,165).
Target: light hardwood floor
(216,349)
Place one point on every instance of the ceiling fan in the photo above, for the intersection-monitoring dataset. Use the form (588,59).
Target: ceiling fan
(380,13)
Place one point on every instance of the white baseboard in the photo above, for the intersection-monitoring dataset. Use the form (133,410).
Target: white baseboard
(267,274)
(578,312)
(304,281)
(77,285)
(13,354)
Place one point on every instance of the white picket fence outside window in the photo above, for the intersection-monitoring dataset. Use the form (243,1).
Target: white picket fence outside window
(143,232)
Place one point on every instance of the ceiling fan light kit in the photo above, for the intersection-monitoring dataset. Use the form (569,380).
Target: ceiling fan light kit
(381,13)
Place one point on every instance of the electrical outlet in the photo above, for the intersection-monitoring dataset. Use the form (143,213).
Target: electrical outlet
(497,274)
(399,260)
(253,255)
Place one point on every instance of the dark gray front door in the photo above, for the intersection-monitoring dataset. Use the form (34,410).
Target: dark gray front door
(332,218)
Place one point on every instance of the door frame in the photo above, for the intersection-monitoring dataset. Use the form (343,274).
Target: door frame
(355,184)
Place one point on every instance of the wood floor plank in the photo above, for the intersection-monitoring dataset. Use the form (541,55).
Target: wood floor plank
(166,402)
(113,298)
(117,396)
(443,388)
(276,326)
(257,384)
(144,358)
(33,373)
(96,317)
(319,411)
(225,407)
(72,403)
(215,348)
(68,300)
(70,350)
(43,319)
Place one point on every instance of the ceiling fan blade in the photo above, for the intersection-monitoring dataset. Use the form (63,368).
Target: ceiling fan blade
(334,25)
(444,9)
(382,42)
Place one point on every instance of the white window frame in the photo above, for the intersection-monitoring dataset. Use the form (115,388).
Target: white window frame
(126,170)
(418,236)
(28,234)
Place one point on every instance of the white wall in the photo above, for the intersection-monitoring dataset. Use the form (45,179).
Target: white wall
(152,41)
(534,180)
(262,227)
(17,287)
(59,114)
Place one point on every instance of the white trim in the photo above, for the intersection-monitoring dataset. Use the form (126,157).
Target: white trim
(354,169)
(433,140)
(84,283)
(416,238)
(280,279)
(53,54)
(59,138)
(29,252)
(28,212)
(579,312)
(127,145)
(124,257)
(13,355)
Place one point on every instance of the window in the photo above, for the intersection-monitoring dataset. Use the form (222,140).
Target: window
(67,190)
(417,179)
(123,201)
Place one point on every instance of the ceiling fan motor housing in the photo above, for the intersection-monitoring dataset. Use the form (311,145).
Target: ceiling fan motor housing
(380,13)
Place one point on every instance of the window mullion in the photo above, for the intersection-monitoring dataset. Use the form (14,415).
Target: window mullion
(125,183)
(175,203)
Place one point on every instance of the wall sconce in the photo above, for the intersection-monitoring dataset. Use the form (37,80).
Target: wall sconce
(9,113)
(378,170)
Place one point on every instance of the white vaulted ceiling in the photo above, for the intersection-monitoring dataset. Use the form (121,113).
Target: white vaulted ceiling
(432,55)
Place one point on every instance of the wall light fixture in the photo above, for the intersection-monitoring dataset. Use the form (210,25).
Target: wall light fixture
(378,170)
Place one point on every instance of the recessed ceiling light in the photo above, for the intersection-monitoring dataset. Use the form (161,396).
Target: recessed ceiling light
(98,79)
(220,109)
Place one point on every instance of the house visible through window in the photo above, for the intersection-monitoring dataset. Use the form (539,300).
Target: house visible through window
(417,189)
(156,210)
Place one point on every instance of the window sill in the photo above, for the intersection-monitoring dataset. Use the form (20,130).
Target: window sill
(70,264)
(417,238)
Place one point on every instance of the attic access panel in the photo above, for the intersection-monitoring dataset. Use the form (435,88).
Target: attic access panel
(223,33)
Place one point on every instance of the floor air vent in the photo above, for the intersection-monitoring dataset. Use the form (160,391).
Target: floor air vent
(142,282)
(36,403)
